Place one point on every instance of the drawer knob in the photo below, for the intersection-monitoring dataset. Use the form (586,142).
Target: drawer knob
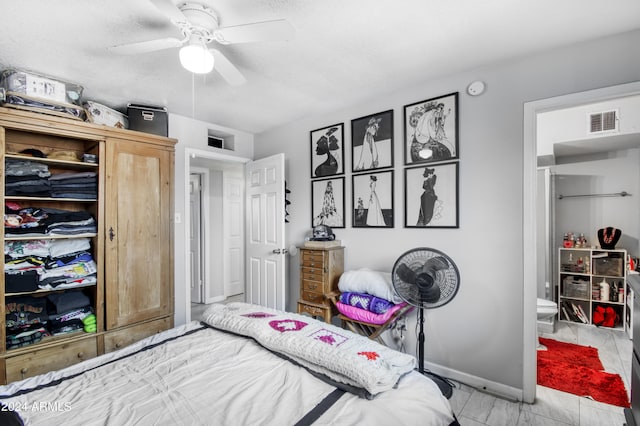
(80,354)
(118,345)
(24,370)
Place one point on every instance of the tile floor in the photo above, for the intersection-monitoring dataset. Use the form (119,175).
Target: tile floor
(552,408)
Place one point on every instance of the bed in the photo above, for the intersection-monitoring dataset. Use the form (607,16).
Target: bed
(242,364)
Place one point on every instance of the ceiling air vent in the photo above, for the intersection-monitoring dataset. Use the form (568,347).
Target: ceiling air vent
(606,121)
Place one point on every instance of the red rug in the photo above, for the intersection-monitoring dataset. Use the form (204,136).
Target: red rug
(577,370)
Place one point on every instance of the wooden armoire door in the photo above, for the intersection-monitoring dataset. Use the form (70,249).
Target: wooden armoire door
(138,232)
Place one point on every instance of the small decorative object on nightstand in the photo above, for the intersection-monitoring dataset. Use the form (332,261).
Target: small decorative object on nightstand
(320,270)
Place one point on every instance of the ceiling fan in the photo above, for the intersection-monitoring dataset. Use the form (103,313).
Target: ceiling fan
(199,26)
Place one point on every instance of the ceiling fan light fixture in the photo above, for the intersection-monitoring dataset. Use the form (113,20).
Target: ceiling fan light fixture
(195,57)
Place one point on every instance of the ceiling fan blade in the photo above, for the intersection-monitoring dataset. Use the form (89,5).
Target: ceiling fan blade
(278,30)
(170,10)
(146,46)
(226,69)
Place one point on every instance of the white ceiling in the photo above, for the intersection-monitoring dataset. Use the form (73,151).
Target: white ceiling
(344,52)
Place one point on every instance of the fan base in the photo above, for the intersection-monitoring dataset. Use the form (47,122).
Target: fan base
(445,388)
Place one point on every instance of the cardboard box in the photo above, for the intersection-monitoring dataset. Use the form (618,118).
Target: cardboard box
(148,119)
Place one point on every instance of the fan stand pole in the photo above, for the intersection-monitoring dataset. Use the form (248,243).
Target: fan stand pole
(443,385)
(421,343)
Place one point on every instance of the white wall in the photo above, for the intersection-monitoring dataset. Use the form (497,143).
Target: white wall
(572,124)
(479,335)
(620,171)
(192,134)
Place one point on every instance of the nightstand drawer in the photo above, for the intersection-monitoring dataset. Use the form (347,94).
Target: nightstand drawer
(315,311)
(312,274)
(310,285)
(312,297)
(313,258)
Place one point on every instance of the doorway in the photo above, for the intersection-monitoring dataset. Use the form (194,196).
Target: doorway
(530,215)
(243,240)
(207,220)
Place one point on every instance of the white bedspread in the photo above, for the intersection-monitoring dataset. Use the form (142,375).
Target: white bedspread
(209,377)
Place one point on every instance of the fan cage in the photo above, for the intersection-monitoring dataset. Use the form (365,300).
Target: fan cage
(448,279)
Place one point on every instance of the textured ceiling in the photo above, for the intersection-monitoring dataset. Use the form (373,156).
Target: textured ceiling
(344,52)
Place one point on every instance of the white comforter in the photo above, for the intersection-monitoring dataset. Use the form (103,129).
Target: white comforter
(209,377)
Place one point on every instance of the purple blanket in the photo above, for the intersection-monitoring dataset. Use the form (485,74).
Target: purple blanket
(365,301)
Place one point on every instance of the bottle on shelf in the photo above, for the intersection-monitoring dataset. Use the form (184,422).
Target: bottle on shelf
(604,290)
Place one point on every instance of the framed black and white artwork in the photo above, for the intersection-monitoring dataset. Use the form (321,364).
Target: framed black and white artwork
(372,142)
(373,200)
(327,151)
(431,196)
(327,202)
(431,130)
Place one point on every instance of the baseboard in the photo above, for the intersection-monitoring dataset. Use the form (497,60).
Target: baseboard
(484,385)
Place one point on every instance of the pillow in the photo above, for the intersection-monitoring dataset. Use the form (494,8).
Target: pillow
(363,315)
(371,282)
(366,301)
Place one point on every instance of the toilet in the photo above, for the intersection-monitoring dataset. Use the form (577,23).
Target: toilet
(546,310)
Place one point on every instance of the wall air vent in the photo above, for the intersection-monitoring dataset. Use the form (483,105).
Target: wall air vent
(220,140)
(606,121)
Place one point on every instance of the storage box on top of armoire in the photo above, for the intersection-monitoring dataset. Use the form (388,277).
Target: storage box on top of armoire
(148,119)
(41,93)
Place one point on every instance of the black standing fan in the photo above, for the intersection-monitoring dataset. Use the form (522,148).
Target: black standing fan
(426,278)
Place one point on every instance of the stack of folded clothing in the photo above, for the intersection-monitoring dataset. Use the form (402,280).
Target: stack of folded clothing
(24,222)
(26,178)
(20,221)
(26,318)
(63,222)
(67,262)
(368,296)
(67,310)
(70,264)
(82,185)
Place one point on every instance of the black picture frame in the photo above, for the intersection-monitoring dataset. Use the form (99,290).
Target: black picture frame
(372,201)
(431,196)
(372,142)
(431,130)
(327,151)
(327,202)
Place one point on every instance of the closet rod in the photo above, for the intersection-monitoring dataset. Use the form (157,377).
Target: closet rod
(615,194)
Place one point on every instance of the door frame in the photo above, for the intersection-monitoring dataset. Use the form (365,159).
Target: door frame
(192,153)
(206,248)
(529,270)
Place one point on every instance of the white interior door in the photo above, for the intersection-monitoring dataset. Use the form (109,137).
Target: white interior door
(266,254)
(233,197)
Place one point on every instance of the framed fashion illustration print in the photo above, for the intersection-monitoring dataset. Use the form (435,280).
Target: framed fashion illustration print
(431,130)
(327,151)
(372,142)
(327,202)
(373,200)
(431,196)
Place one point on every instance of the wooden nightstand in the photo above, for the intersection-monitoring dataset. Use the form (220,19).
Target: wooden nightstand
(320,269)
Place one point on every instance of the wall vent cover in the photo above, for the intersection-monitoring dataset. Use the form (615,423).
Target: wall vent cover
(606,121)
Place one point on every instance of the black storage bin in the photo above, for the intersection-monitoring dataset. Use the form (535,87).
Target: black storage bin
(148,119)
(17,282)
